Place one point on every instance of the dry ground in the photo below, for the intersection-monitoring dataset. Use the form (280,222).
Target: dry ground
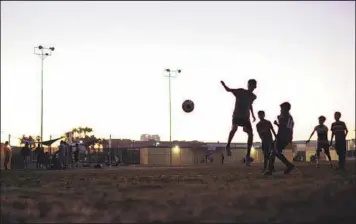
(216,193)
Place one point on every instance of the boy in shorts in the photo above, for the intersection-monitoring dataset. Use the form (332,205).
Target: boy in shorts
(322,142)
(265,130)
(241,114)
(284,137)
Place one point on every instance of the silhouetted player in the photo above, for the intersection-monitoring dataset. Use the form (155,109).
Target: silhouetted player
(241,114)
(284,137)
(264,129)
(339,130)
(322,142)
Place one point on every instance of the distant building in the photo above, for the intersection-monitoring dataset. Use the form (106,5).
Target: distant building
(147,137)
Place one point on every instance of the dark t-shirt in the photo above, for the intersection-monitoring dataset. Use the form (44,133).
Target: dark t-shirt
(285,129)
(322,132)
(264,130)
(243,102)
(39,152)
(26,151)
(338,129)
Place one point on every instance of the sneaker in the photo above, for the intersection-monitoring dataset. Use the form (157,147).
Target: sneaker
(289,169)
(228,150)
(248,161)
(263,170)
(317,165)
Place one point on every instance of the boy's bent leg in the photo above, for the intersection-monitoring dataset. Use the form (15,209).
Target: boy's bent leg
(327,153)
(266,148)
(317,155)
(277,152)
(341,149)
(271,160)
(231,135)
(248,129)
(265,160)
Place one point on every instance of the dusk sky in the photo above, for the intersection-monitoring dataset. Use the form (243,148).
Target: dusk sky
(107,71)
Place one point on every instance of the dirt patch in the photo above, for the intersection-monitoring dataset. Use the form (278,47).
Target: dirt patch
(195,194)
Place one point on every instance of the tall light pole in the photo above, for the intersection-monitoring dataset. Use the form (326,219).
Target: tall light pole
(171,74)
(43,52)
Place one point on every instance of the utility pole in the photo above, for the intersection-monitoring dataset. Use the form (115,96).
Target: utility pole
(171,74)
(43,52)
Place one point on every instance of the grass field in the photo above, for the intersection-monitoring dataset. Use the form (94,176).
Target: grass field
(216,193)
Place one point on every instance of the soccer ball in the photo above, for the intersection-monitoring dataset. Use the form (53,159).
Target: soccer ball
(188,106)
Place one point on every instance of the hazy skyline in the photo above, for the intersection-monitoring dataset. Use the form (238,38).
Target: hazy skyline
(107,71)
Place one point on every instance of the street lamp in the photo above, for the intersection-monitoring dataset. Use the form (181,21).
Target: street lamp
(43,52)
(171,74)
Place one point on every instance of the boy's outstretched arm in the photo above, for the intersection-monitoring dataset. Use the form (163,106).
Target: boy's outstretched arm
(332,134)
(252,113)
(225,86)
(346,131)
(274,133)
(276,123)
(311,135)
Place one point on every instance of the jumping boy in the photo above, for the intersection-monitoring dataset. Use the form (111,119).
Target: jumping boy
(284,137)
(322,142)
(241,114)
(339,130)
(264,129)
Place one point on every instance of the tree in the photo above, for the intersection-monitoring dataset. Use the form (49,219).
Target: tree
(83,134)
(28,139)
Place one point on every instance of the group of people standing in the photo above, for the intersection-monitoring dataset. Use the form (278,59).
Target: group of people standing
(65,157)
(284,136)
(28,154)
(68,157)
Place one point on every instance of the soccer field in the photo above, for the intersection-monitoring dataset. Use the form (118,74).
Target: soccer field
(210,193)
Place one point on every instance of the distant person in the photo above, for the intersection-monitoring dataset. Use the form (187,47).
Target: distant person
(284,137)
(62,154)
(241,115)
(265,130)
(56,162)
(47,160)
(8,154)
(211,158)
(26,154)
(69,155)
(322,142)
(39,151)
(222,158)
(76,154)
(339,130)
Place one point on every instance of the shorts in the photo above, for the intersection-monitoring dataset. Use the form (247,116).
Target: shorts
(340,146)
(27,159)
(267,148)
(322,145)
(280,144)
(243,122)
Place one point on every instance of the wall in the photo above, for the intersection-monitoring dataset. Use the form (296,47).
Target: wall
(144,156)
(159,156)
(162,156)
(184,157)
(155,156)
